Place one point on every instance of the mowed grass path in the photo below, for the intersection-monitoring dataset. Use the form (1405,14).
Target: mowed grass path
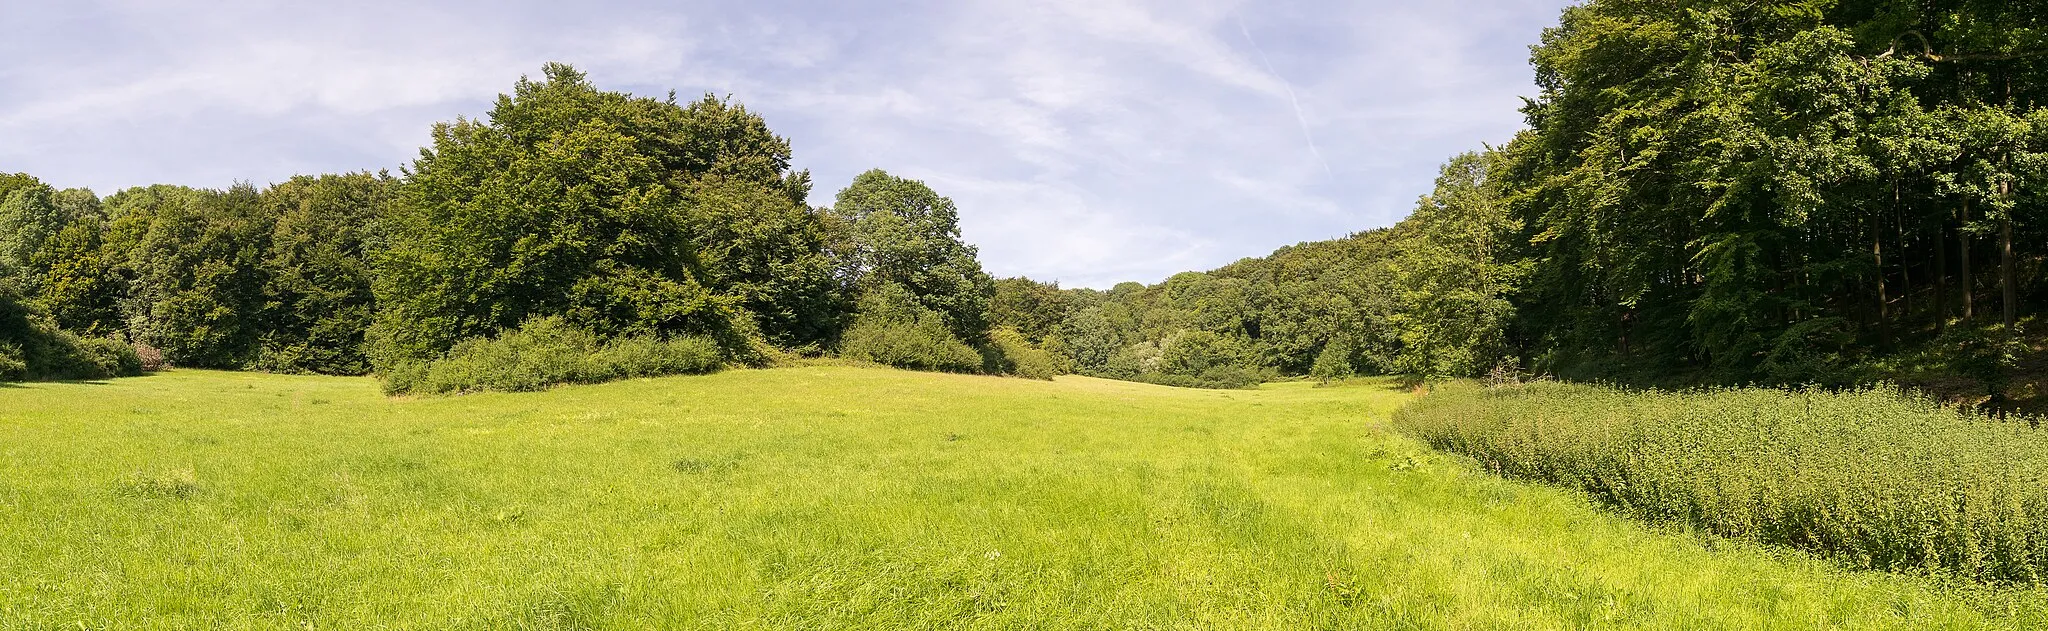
(836,497)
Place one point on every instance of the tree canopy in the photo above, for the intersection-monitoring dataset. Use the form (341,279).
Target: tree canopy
(1706,191)
(899,231)
(623,214)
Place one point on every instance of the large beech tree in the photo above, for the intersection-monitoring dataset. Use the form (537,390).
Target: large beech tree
(608,209)
(899,231)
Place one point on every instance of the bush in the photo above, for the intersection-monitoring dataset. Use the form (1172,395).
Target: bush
(111,358)
(12,366)
(151,358)
(892,329)
(1333,363)
(33,348)
(1872,477)
(1132,361)
(1216,377)
(546,352)
(1011,354)
(1194,353)
(1189,359)
(52,354)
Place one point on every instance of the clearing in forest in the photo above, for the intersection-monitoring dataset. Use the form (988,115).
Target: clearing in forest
(839,497)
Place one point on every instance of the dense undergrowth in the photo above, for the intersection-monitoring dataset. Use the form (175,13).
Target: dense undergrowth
(549,351)
(1869,477)
(34,349)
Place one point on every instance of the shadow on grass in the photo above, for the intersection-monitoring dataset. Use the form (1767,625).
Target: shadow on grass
(72,382)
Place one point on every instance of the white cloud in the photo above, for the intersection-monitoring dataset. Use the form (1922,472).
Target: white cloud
(1086,140)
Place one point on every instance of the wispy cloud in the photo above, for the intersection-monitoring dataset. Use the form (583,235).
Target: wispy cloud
(1292,100)
(1090,141)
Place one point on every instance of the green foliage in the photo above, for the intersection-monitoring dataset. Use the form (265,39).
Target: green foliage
(900,232)
(11,182)
(895,329)
(318,299)
(29,219)
(50,240)
(110,357)
(1454,275)
(81,284)
(766,247)
(546,352)
(1816,351)
(1869,477)
(1430,296)
(13,367)
(1196,352)
(1033,309)
(1011,353)
(33,348)
(1333,363)
(1092,335)
(601,207)
(1223,377)
(1773,191)
(199,277)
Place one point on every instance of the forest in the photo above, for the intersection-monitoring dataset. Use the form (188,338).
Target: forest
(1706,192)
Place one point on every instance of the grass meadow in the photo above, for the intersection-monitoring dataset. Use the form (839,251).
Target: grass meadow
(834,497)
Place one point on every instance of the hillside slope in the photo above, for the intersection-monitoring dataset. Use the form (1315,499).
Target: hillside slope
(835,497)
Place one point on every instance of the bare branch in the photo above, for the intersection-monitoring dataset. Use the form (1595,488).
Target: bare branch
(1927,50)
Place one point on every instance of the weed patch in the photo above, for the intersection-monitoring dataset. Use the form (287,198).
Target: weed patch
(170,485)
(1872,478)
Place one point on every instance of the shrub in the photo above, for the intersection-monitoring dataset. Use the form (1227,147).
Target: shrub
(1193,353)
(1188,359)
(1872,477)
(1814,351)
(111,358)
(12,366)
(1333,363)
(1227,377)
(1011,354)
(635,357)
(52,354)
(1132,361)
(151,358)
(892,329)
(546,352)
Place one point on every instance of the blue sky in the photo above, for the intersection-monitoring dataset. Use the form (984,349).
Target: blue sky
(1087,141)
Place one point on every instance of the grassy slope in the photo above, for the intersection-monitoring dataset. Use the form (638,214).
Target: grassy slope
(831,497)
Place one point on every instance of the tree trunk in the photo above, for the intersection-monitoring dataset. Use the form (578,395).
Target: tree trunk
(1905,261)
(1884,306)
(1941,276)
(2006,277)
(1968,282)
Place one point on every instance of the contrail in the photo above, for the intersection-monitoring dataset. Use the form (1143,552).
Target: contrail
(1291,100)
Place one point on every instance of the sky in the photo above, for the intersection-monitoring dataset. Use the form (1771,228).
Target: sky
(1084,141)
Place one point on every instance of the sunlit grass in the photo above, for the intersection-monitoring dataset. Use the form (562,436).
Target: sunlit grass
(837,497)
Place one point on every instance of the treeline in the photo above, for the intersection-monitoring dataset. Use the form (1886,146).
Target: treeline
(1424,296)
(573,235)
(1707,191)
(1780,191)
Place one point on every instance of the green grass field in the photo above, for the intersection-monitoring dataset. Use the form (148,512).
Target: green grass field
(839,497)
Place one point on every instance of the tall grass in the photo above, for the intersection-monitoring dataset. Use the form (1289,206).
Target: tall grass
(1873,478)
